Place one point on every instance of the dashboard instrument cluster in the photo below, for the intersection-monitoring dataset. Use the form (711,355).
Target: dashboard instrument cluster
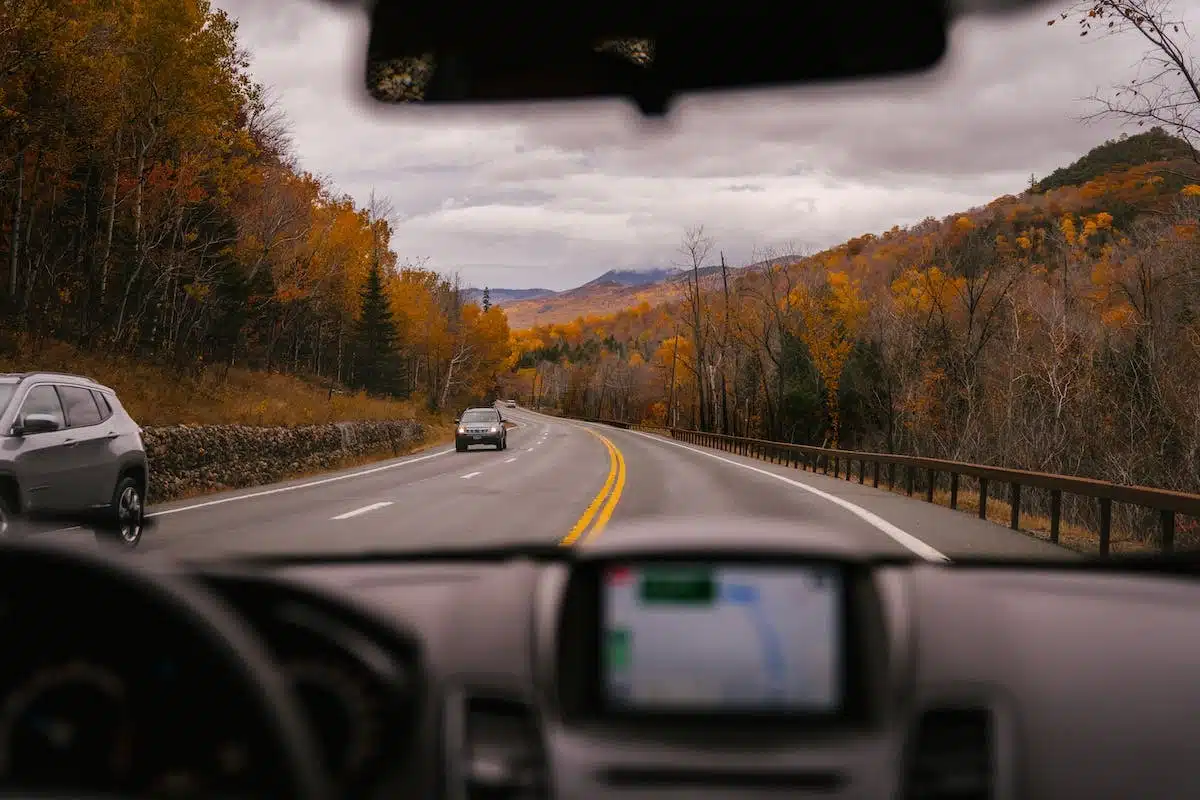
(681,661)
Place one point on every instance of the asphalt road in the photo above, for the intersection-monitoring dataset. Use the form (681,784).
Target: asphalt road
(558,481)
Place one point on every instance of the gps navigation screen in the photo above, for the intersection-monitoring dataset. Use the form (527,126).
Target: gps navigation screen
(716,637)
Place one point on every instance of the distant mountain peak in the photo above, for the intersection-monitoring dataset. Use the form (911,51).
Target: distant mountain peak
(501,296)
(632,277)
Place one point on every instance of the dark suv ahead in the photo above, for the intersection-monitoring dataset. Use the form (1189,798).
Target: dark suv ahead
(69,449)
(480,426)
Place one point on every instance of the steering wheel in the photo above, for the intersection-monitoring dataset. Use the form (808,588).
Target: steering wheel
(65,611)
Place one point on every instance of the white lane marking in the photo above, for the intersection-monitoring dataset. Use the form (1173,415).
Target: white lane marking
(907,539)
(363,510)
(510,460)
(282,489)
(472,474)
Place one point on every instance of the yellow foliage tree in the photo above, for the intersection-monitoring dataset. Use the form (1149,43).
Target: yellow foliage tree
(831,316)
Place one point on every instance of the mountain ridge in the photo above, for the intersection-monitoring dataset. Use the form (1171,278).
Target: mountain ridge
(616,290)
(622,277)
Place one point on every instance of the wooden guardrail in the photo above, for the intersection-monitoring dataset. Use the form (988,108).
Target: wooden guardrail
(1168,504)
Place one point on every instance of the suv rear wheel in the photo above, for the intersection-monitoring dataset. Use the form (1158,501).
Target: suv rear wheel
(128,514)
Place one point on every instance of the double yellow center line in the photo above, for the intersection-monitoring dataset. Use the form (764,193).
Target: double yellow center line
(602,506)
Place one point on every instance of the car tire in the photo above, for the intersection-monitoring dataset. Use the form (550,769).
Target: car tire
(460,448)
(127,518)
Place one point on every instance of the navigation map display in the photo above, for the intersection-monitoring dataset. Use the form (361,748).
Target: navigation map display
(745,637)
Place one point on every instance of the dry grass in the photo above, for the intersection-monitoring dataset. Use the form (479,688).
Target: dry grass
(157,396)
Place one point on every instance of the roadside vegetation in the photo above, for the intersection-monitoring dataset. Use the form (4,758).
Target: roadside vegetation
(160,234)
(159,396)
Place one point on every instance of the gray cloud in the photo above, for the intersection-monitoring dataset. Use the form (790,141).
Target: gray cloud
(537,196)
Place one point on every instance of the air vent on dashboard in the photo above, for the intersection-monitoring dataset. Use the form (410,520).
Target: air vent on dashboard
(952,756)
(499,753)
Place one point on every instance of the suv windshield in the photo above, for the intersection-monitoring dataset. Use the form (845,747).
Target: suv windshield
(480,415)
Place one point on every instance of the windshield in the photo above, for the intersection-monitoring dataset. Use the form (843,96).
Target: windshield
(796,304)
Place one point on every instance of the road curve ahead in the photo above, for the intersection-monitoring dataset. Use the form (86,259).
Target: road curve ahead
(670,478)
(558,481)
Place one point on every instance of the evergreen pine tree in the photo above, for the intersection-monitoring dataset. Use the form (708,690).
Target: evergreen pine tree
(377,367)
(487,300)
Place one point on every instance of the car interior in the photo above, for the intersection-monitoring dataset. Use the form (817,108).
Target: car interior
(509,673)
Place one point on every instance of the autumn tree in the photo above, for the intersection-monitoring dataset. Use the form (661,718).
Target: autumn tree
(695,249)
(831,311)
(376,360)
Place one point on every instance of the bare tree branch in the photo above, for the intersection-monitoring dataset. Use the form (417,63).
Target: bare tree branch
(1166,88)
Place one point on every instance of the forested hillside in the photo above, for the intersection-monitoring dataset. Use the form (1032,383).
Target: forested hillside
(152,208)
(1057,330)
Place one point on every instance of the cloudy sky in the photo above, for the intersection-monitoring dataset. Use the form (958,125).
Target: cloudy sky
(554,199)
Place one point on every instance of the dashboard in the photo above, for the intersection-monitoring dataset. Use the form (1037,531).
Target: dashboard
(645,665)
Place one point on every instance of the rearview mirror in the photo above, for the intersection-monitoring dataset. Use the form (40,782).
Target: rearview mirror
(458,419)
(38,423)
(479,52)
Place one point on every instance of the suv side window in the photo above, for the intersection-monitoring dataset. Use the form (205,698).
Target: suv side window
(43,400)
(103,404)
(81,408)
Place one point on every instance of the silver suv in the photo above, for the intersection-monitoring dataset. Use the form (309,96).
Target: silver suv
(69,449)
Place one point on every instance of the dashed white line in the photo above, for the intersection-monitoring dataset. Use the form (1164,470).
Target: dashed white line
(364,510)
(293,488)
(471,474)
(510,460)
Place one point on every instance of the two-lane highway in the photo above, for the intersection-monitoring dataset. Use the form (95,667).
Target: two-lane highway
(558,481)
